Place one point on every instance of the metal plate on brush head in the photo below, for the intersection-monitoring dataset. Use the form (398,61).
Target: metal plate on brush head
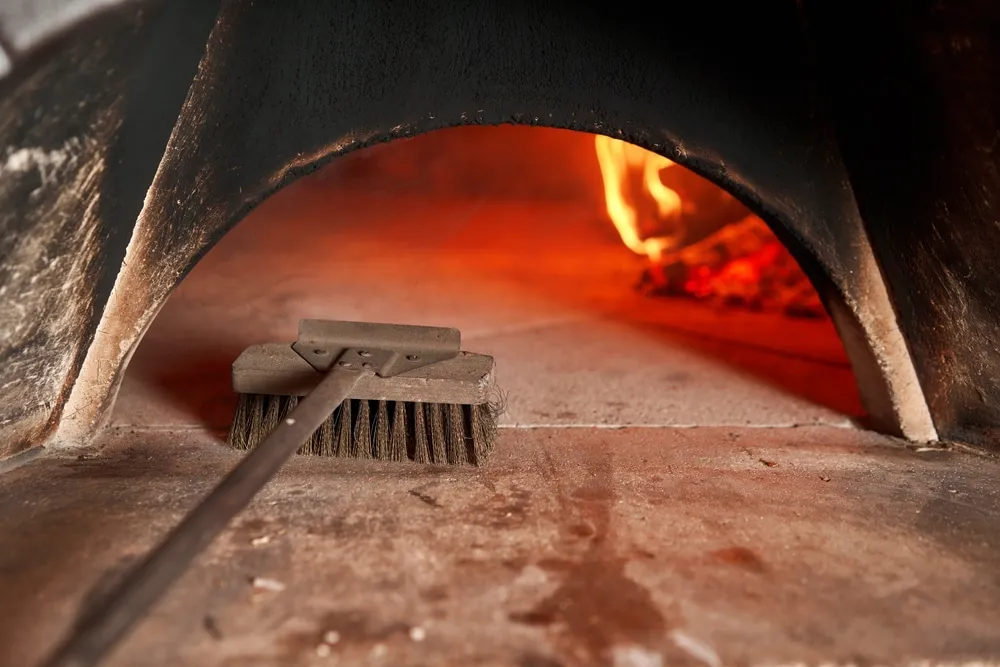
(386,349)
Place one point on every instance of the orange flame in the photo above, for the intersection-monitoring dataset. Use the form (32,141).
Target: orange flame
(741,262)
(620,163)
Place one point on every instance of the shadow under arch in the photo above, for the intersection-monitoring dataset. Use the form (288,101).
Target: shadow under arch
(275,85)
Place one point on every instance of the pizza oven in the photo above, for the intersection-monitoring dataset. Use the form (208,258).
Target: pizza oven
(142,135)
(736,263)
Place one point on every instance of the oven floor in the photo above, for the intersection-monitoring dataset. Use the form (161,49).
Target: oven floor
(637,547)
(676,484)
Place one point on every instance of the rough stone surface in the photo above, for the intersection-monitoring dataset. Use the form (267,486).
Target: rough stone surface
(709,546)
(82,127)
(52,168)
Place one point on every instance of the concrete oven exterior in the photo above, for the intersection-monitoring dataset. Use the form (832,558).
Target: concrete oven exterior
(136,133)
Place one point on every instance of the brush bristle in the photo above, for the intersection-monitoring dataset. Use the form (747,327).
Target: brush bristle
(452,434)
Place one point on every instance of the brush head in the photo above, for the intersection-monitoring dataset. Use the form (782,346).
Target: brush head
(440,433)
(443,413)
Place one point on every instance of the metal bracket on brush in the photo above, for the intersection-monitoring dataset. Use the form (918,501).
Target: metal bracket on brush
(385,349)
(437,375)
(345,352)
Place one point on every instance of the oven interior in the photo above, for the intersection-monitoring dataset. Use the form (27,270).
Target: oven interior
(683,477)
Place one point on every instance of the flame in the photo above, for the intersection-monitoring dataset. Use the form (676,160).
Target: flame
(740,263)
(621,163)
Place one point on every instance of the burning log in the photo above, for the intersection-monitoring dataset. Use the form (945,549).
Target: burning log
(743,265)
(699,240)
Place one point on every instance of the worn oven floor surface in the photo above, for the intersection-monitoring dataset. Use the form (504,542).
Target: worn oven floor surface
(637,547)
(675,484)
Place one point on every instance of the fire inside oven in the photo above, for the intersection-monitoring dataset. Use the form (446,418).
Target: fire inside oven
(613,287)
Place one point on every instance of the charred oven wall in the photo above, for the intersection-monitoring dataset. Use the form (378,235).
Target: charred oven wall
(917,109)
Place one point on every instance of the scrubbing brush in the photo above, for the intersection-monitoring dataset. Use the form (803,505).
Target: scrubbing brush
(343,388)
(438,412)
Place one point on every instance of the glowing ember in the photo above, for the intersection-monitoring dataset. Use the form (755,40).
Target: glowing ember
(741,263)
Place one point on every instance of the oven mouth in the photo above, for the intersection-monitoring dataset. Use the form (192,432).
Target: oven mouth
(508,233)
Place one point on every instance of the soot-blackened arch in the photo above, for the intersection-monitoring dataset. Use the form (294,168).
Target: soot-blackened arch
(280,93)
(282,89)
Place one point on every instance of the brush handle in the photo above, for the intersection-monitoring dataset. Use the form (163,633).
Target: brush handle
(99,631)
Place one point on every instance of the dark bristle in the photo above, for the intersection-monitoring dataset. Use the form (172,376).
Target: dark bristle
(421,451)
(361,444)
(380,432)
(239,434)
(434,418)
(485,419)
(397,437)
(256,430)
(483,430)
(272,413)
(322,439)
(442,434)
(454,423)
(344,424)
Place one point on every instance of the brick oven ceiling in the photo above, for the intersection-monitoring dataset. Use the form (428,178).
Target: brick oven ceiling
(92,242)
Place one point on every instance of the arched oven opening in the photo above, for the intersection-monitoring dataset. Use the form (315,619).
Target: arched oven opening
(614,287)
